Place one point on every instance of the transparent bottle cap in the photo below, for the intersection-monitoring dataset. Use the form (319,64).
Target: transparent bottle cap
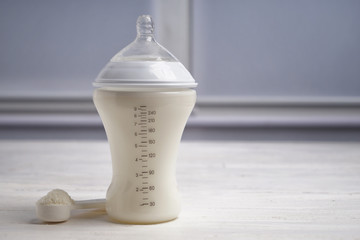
(144,63)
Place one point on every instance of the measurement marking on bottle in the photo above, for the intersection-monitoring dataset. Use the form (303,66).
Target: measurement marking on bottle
(144,120)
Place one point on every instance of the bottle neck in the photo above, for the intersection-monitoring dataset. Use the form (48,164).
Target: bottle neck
(145,37)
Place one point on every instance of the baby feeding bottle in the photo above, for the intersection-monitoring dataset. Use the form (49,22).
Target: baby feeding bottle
(144,97)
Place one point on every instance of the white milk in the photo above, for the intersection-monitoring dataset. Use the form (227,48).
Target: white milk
(144,130)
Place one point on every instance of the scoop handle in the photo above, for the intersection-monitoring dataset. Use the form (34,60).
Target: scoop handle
(93,203)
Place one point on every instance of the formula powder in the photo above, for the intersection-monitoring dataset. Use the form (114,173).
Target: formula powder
(56,197)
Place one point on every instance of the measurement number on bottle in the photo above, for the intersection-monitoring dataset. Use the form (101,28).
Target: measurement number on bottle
(144,125)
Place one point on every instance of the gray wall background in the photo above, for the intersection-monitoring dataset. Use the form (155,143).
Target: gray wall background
(273,70)
(57,47)
(240,48)
(277,48)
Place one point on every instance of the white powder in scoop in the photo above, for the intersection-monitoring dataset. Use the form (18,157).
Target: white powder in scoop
(56,197)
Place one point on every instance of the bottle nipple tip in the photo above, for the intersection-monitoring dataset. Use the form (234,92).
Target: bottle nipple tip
(145,25)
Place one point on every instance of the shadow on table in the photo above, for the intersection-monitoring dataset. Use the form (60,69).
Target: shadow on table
(79,215)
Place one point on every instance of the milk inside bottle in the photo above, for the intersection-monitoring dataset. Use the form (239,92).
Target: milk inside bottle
(144,97)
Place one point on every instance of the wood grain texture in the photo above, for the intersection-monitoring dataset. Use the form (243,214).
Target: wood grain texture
(230,190)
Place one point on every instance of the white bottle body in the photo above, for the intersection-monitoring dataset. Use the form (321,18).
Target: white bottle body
(144,129)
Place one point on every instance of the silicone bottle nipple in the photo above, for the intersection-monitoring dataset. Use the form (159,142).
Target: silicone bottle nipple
(144,47)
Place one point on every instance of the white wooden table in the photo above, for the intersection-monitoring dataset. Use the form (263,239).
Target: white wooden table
(230,190)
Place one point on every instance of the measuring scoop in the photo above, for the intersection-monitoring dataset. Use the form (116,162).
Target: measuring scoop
(56,206)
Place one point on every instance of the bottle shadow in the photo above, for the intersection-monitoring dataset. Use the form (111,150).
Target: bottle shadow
(78,215)
(95,215)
